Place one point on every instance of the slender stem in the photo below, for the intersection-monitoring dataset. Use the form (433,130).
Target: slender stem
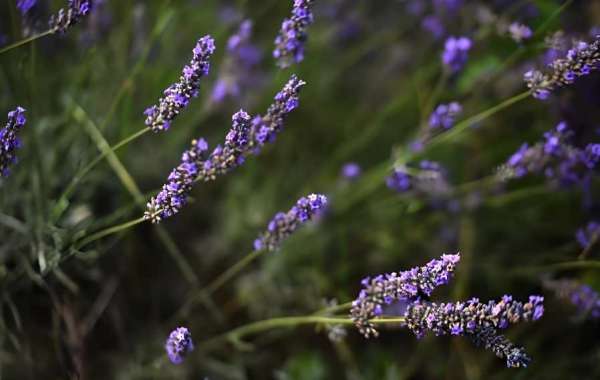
(232,271)
(238,333)
(588,249)
(107,231)
(25,41)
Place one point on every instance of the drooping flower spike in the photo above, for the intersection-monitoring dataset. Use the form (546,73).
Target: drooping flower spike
(478,321)
(178,95)
(179,344)
(67,17)
(579,61)
(245,138)
(284,224)
(9,141)
(289,44)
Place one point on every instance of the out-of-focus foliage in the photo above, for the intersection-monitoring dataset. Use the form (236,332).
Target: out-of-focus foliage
(374,74)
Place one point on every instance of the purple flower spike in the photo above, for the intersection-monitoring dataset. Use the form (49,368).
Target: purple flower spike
(431,179)
(178,95)
(585,236)
(67,17)
(579,61)
(456,53)
(284,224)
(351,171)
(444,116)
(585,299)
(9,142)
(179,345)
(289,44)
(519,32)
(25,5)
(409,285)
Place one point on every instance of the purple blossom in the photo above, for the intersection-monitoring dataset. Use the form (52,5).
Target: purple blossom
(238,70)
(289,44)
(489,338)
(284,224)
(585,299)
(580,60)
(25,5)
(433,24)
(351,171)
(409,285)
(587,235)
(519,32)
(179,344)
(9,142)
(178,95)
(430,179)
(444,116)
(456,53)
(67,17)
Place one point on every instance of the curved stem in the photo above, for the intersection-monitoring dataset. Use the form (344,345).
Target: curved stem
(106,232)
(25,41)
(232,271)
(238,333)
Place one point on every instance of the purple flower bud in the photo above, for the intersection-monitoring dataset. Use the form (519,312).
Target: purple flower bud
(289,44)
(9,142)
(179,344)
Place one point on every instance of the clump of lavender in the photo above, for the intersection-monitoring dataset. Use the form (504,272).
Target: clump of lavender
(579,61)
(289,44)
(178,95)
(238,70)
(179,344)
(9,142)
(67,17)
(351,171)
(585,299)
(246,137)
(429,179)
(587,235)
(555,158)
(456,53)
(519,32)
(409,285)
(444,116)
(284,224)
(479,321)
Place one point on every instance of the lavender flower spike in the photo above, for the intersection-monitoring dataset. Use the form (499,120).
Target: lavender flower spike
(579,61)
(25,6)
(67,17)
(289,44)
(179,344)
(585,299)
(178,95)
(284,224)
(456,50)
(9,142)
(409,285)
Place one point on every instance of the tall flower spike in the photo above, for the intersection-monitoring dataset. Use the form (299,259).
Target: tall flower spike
(409,285)
(195,166)
(579,61)
(67,17)
(9,142)
(178,95)
(284,224)
(289,44)
(179,344)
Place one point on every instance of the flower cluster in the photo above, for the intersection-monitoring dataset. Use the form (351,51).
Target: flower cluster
(444,116)
(555,158)
(587,235)
(196,166)
(409,285)
(585,299)
(9,142)
(179,344)
(246,136)
(289,44)
(351,171)
(579,61)
(67,17)
(479,321)
(284,224)
(238,70)
(519,32)
(430,179)
(25,6)
(178,95)
(456,53)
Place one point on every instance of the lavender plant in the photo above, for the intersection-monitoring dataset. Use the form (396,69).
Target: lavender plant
(583,297)
(9,140)
(72,15)
(179,344)
(289,43)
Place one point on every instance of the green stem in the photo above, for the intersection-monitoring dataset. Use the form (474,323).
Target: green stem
(107,231)
(232,271)
(334,308)
(238,333)
(25,41)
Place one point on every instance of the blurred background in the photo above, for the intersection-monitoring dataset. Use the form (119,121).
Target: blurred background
(374,75)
